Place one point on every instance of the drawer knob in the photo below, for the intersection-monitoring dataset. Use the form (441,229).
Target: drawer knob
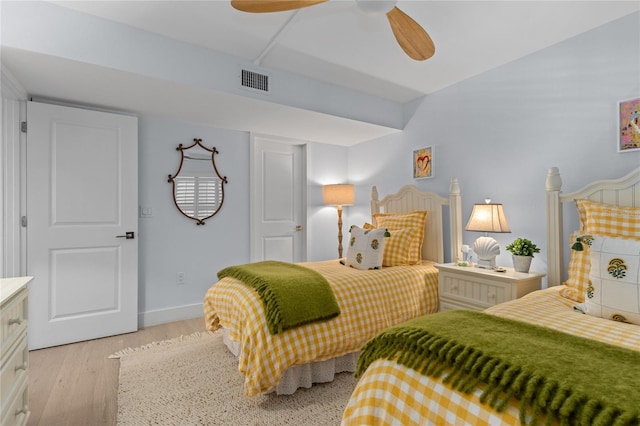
(492,296)
(15,321)
(22,366)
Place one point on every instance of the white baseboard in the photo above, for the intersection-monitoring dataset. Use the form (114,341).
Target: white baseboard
(163,316)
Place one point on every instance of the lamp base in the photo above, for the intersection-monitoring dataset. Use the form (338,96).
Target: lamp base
(486,264)
(486,249)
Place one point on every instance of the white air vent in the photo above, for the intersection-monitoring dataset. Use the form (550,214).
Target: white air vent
(255,81)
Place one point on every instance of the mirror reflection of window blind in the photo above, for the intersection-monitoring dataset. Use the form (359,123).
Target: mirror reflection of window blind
(198,196)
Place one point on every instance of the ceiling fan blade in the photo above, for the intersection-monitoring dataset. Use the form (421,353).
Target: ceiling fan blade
(411,37)
(266,6)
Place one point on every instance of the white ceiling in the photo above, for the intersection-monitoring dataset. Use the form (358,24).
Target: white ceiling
(335,43)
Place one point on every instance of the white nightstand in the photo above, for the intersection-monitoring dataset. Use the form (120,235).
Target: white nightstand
(469,287)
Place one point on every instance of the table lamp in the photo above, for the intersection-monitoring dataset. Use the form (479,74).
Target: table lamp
(487,217)
(338,195)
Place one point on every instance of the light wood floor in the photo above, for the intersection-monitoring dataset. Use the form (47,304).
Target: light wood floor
(77,384)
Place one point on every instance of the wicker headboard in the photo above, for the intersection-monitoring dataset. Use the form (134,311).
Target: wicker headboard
(409,198)
(624,191)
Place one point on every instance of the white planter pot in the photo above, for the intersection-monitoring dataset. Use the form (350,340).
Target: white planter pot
(521,263)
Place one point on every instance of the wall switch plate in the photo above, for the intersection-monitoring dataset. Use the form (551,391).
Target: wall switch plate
(146,212)
(180,278)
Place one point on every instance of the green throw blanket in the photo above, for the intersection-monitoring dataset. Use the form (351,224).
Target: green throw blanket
(292,295)
(571,379)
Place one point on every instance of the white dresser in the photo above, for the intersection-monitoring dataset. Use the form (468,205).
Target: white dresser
(14,353)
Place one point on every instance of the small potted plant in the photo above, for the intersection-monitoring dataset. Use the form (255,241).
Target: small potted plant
(522,251)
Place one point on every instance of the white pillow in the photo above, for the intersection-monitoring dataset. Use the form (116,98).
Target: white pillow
(613,291)
(366,247)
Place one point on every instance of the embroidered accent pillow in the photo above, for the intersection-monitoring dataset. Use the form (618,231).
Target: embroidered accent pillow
(601,219)
(401,221)
(366,248)
(613,291)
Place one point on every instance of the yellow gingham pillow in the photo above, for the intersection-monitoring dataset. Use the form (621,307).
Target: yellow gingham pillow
(578,273)
(608,220)
(397,251)
(601,219)
(396,221)
(397,246)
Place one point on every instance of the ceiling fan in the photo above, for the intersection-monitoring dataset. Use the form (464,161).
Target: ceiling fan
(411,37)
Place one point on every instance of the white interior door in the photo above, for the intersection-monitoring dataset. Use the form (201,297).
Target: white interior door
(82,196)
(277,207)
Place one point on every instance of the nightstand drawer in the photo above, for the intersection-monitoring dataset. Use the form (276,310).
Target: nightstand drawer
(476,292)
(465,287)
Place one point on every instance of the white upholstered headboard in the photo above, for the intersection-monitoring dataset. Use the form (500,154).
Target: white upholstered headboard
(624,191)
(409,198)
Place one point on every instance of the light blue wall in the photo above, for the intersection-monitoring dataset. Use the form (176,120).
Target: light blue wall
(500,132)
(169,242)
(326,164)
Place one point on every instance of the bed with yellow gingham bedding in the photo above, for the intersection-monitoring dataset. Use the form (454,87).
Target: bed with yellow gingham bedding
(391,394)
(370,301)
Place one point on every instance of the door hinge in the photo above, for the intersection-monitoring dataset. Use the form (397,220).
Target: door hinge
(23,221)
(23,127)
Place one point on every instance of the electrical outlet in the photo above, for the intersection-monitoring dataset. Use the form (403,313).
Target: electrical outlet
(180,278)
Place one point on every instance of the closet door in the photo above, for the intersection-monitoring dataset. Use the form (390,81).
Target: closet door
(82,198)
(278,214)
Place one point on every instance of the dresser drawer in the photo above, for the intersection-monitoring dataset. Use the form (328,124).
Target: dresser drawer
(16,413)
(13,322)
(14,370)
(14,353)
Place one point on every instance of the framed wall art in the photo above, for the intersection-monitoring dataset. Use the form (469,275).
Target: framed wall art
(629,125)
(423,163)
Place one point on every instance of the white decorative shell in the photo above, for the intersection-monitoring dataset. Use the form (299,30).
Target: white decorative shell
(486,248)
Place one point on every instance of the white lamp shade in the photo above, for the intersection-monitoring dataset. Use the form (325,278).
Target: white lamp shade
(488,218)
(338,195)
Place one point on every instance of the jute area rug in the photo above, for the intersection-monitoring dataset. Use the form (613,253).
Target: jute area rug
(194,380)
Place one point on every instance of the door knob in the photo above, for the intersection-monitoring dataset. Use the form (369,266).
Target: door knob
(299,228)
(128,235)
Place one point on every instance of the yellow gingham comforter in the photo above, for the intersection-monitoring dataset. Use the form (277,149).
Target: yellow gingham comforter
(391,394)
(370,301)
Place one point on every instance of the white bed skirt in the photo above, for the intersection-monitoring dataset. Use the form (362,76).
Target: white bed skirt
(304,376)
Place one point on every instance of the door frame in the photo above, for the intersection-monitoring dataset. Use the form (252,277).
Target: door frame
(253,185)
(12,176)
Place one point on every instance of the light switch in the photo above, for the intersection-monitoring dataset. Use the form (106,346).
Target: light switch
(146,212)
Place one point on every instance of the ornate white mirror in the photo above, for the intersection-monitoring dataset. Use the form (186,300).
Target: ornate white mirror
(198,188)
